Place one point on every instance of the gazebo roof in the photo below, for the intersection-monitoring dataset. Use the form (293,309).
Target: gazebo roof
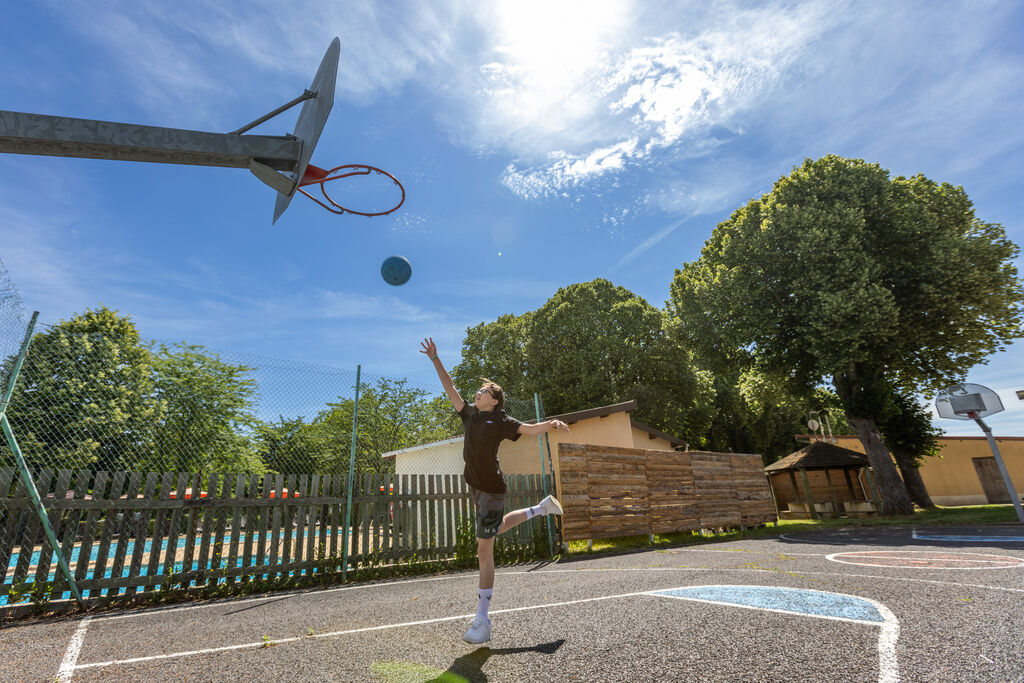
(819,456)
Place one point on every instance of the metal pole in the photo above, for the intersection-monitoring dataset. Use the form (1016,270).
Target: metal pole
(351,475)
(19,457)
(307,94)
(1002,468)
(543,469)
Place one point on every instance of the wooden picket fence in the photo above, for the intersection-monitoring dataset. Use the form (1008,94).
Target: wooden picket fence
(129,532)
(612,492)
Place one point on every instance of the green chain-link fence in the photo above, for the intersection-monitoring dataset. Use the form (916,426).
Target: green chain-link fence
(141,450)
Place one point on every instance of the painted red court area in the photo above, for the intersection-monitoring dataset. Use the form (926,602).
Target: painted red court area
(922,559)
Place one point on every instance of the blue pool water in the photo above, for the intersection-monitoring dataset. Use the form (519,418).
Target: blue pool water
(129,549)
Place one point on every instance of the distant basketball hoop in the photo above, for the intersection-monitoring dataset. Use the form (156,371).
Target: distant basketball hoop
(973,402)
(967,402)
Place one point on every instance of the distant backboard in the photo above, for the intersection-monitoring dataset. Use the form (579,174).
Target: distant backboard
(312,118)
(967,402)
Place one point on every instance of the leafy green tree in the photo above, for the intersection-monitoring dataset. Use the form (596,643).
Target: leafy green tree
(289,446)
(208,423)
(392,415)
(496,350)
(85,398)
(594,343)
(591,344)
(844,274)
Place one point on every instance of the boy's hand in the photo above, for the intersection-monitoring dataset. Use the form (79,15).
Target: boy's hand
(560,426)
(429,348)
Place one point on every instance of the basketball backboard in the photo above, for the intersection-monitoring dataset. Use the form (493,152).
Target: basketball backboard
(312,118)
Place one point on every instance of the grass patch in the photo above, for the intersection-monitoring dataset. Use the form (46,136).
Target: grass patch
(968,514)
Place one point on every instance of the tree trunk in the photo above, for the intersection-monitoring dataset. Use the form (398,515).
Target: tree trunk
(893,493)
(912,479)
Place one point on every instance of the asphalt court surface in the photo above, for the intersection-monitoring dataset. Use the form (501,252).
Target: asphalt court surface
(805,606)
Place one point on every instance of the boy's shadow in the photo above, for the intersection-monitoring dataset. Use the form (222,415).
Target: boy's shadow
(470,667)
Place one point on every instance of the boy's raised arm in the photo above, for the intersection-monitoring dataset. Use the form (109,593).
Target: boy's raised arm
(430,349)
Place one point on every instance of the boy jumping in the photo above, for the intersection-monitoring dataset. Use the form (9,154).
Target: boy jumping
(486,425)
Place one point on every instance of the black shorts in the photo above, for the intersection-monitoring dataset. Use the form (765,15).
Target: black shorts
(490,510)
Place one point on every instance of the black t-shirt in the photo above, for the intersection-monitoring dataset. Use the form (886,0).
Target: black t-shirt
(484,431)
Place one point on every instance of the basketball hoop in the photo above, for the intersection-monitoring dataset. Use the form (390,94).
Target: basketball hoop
(314,175)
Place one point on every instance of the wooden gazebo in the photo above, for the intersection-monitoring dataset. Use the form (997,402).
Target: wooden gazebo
(833,482)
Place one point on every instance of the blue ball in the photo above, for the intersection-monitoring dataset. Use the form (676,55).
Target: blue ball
(396,270)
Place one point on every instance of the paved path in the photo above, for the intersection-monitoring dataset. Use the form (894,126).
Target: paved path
(862,605)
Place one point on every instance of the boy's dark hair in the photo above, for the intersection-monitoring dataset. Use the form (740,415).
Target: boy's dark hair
(496,391)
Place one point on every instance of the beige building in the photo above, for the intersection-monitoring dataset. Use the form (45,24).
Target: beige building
(966,472)
(605,426)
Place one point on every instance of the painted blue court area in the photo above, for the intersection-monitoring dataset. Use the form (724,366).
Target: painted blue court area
(764,609)
(791,600)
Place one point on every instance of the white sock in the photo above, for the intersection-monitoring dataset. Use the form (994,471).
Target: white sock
(483,603)
(534,511)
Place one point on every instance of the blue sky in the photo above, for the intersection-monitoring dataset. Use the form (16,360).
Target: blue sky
(539,144)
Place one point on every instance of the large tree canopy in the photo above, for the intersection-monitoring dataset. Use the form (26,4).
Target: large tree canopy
(85,396)
(592,344)
(844,274)
(209,421)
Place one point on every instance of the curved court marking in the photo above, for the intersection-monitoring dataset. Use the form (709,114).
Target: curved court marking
(335,634)
(810,603)
(69,664)
(923,559)
(967,539)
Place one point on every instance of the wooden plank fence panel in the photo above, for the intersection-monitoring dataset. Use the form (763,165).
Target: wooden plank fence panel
(140,533)
(251,521)
(275,538)
(378,512)
(35,534)
(299,516)
(334,512)
(237,514)
(208,526)
(175,527)
(314,526)
(153,561)
(192,522)
(609,491)
(110,524)
(12,518)
(124,528)
(91,529)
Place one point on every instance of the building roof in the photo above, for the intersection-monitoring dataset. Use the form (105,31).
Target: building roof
(603,411)
(568,418)
(655,434)
(818,456)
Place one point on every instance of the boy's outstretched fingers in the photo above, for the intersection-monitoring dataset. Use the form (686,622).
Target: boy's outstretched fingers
(429,347)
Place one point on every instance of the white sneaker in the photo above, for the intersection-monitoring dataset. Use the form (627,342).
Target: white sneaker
(550,506)
(479,631)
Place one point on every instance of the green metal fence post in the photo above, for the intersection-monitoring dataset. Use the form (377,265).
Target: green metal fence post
(26,476)
(351,475)
(543,469)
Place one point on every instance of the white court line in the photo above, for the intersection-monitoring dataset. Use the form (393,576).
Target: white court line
(867,554)
(334,634)
(735,552)
(889,629)
(68,664)
(794,573)
(953,538)
(518,609)
(275,596)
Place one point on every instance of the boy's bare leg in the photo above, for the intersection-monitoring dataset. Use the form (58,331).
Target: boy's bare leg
(485,557)
(513,519)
